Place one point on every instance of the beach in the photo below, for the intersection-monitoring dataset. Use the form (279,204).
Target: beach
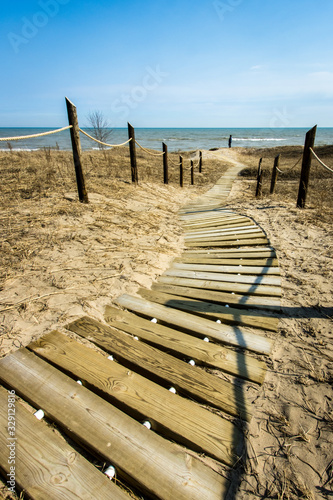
(61,259)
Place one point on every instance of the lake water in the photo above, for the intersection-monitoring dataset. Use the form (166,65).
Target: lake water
(177,139)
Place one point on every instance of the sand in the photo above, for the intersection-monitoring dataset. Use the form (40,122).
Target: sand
(61,259)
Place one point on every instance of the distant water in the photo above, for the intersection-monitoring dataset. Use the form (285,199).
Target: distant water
(177,139)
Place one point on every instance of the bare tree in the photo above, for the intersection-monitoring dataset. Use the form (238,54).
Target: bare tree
(99,126)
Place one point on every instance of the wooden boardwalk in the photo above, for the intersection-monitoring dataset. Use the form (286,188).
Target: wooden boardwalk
(161,358)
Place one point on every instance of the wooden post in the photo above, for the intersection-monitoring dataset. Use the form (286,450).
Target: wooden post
(275,173)
(192,173)
(181,172)
(306,164)
(165,164)
(200,162)
(259,179)
(76,146)
(134,169)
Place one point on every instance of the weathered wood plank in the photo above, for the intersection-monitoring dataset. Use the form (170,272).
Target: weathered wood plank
(255,234)
(234,336)
(214,311)
(241,301)
(256,253)
(247,253)
(212,219)
(187,379)
(153,464)
(207,215)
(219,229)
(171,415)
(208,259)
(180,343)
(258,280)
(239,288)
(228,243)
(197,212)
(213,235)
(46,466)
(231,269)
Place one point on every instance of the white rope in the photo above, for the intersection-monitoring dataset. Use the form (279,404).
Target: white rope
(104,143)
(321,163)
(173,163)
(2,139)
(287,170)
(147,150)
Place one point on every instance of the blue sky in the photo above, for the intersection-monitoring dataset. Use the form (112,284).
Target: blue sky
(175,63)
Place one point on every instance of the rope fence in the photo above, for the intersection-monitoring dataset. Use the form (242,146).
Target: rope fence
(105,143)
(33,136)
(147,150)
(289,169)
(321,162)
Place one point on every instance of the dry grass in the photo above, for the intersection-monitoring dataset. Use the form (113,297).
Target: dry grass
(321,180)
(38,174)
(35,186)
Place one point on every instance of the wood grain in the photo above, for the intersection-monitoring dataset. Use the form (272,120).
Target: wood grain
(181,344)
(239,288)
(256,280)
(232,335)
(156,466)
(227,269)
(213,311)
(46,467)
(171,415)
(241,301)
(187,379)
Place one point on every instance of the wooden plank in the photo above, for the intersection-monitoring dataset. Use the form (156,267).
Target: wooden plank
(247,252)
(220,229)
(181,344)
(231,253)
(234,336)
(46,466)
(241,301)
(190,222)
(204,214)
(156,466)
(259,280)
(171,415)
(233,269)
(208,235)
(223,286)
(200,259)
(223,223)
(187,379)
(228,243)
(213,311)
(231,237)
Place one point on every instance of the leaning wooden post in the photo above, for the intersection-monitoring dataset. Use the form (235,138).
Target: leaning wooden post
(76,145)
(259,179)
(306,164)
(134,169)
(181,172)
(275,173)
(200,162)
(165,164)
(192,173)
